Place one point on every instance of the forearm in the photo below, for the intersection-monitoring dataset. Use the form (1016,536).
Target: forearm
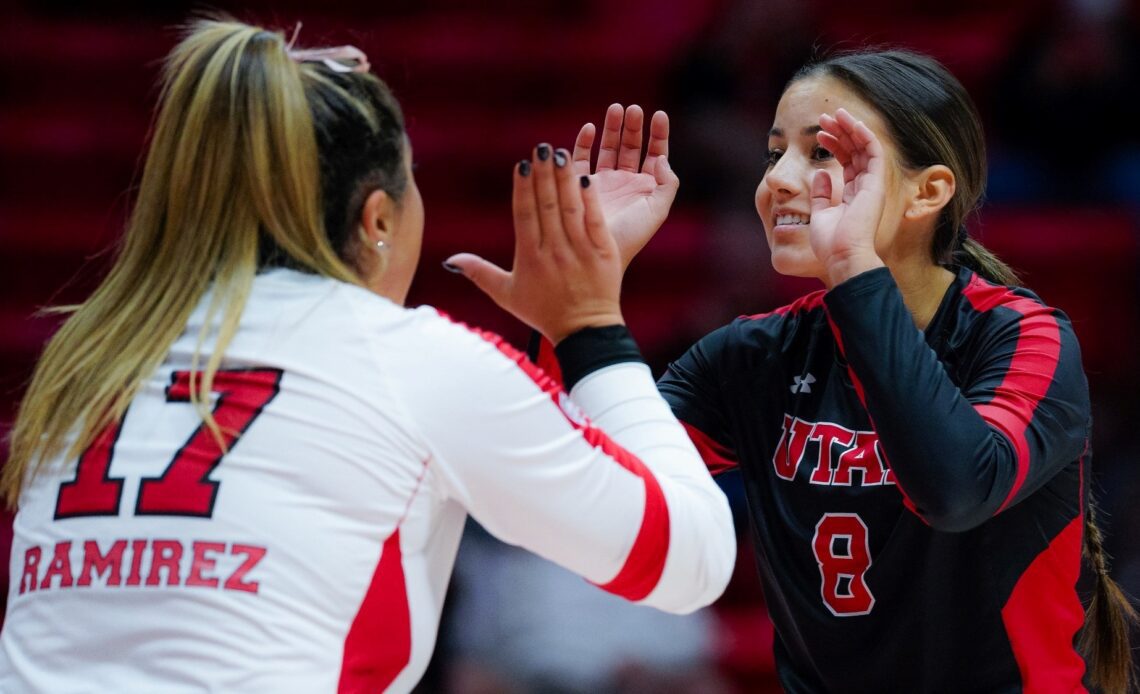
(955,468)
(621,399)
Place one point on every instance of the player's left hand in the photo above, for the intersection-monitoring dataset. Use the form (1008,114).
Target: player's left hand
(567,272)
(843,235)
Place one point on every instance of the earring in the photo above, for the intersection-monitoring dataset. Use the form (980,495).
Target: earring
(380,246)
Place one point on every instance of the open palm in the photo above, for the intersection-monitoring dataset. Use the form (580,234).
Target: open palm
(635,194)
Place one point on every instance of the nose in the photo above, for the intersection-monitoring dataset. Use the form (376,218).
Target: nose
(785,178)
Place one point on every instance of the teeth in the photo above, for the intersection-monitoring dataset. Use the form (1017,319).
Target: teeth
(791,219)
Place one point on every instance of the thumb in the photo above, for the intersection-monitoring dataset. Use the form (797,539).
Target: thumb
(491,279)
(664,175)
(820,192)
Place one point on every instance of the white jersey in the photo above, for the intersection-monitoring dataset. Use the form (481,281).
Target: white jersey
(314,554)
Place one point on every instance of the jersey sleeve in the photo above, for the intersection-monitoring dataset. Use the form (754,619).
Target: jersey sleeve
(693,386)
(964,452)
(602,481)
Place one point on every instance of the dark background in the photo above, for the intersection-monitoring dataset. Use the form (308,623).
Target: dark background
(481,83)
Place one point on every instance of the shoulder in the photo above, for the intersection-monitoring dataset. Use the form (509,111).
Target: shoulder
(1013,328)
(458,352)
(778,330)
(753,342)
(999,309)
(801,306)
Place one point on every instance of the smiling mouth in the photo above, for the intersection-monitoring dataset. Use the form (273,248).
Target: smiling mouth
(792,220)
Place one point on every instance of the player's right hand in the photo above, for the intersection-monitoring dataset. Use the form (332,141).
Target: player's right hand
(567,268)
(635,194)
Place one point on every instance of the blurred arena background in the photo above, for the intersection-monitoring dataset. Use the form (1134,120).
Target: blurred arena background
(482,82)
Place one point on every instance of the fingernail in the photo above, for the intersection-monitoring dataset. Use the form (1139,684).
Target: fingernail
(585,181)
(452,268)
(543,152)
(524,168)
(560,158)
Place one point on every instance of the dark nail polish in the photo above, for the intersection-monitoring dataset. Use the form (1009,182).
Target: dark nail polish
(559,158)
(543,152)
(452,268)
(524,168)
(585,181)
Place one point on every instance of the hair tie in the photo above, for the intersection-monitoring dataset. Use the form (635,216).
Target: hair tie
(963,235)
(337,59)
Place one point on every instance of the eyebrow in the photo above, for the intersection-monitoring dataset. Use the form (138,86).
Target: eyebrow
(808,131)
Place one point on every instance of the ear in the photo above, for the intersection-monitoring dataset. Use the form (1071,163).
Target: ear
(378,217)
(934,187)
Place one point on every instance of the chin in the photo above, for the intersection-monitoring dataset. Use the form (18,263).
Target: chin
(796,263)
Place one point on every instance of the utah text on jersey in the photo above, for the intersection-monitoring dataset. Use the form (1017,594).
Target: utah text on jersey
(839,452)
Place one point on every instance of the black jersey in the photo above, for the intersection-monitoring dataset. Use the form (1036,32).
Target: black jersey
(916,496)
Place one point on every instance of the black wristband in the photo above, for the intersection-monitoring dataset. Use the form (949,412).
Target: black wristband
(590,349)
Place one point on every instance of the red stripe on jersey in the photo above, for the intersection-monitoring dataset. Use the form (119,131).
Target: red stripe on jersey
(646,559)
(718,457)
(548,362)
(379,642)
(1030,372)
(806,302)
(1043,614)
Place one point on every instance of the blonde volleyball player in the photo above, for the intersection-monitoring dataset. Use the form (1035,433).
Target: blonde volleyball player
(244,465)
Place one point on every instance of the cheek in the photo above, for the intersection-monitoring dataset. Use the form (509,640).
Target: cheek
(763,201)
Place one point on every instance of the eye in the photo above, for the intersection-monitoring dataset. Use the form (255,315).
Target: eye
(820,154)
(771,157)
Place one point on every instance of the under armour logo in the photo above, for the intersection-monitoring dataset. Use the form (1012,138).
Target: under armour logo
(803,384)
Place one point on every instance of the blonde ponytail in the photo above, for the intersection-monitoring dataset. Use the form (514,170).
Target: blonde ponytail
(233,165)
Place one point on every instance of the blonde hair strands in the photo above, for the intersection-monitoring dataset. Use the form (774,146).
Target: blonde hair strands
(233,157)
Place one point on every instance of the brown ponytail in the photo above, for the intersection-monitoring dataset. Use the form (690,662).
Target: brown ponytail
(1105,638)
(978,258)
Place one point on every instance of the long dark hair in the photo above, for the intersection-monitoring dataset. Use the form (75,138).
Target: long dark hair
(932,120)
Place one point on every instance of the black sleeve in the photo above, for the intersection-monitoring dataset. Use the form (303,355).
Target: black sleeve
(962,454)
(694,388)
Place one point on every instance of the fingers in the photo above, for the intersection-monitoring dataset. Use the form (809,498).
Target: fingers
(582,147)
(611,137)
(868,146)
(546,194)
(820,191)
(622,139)
(854,145)
(838,141)
(528,232)
(629,154)
(570,204)
(596,230)
(833,145)
(658,136)
(491,279)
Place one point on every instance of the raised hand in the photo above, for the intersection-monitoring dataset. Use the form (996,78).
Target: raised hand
(567,270)
(635,194)
(843,235)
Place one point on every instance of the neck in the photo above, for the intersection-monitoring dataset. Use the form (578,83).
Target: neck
(922,286)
